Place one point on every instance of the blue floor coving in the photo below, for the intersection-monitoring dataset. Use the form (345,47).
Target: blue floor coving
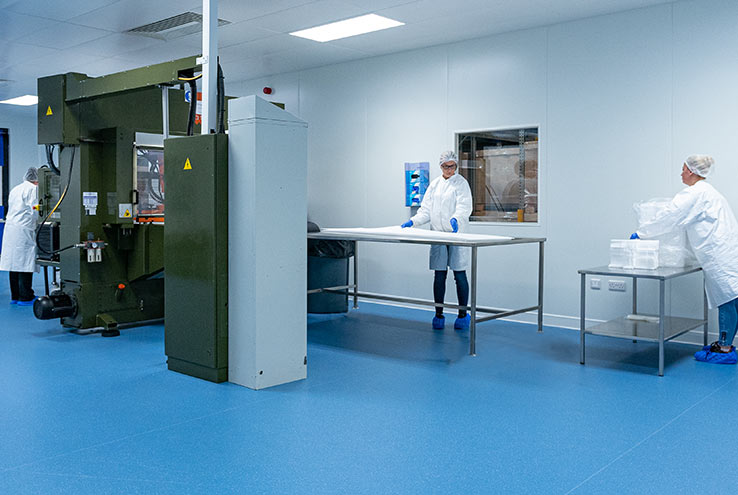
(389,406)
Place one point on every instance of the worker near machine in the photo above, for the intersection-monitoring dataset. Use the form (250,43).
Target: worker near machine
(447,205)
(18,255)
(712,231)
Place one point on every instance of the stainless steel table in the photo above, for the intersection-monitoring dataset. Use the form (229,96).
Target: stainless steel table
(472,308)
(667,327)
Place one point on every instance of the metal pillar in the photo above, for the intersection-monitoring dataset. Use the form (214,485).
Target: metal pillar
(473,322)
(704,311)
(540,286)
(635,304)
(209,64)
(582,295)
(165,111)
(356,275)
(662,284)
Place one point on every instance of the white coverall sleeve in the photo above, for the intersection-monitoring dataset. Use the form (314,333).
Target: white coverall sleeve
(426,206)
(463,203)
(30,199)
(679,213)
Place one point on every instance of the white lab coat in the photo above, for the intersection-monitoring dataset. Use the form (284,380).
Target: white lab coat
(19,245)
(443,200)
(712,232)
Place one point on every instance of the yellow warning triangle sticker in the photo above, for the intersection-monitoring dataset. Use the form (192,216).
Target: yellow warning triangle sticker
(127,213)
(49,112)
(188,166)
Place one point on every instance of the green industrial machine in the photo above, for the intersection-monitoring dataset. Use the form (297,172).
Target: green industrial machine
(100,190)
(196,256)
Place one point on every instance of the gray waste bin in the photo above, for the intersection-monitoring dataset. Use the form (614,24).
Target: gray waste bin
(328,265)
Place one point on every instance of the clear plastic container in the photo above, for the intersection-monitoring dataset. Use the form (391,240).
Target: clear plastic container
(621,255)
(645,254)
(636,253)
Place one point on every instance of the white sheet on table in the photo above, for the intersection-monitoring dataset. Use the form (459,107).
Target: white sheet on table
(415,233)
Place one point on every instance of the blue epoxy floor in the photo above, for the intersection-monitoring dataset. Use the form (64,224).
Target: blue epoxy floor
(389,407)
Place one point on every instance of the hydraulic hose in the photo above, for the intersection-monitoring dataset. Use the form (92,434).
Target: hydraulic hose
(61,198)
(50,158)
(221,100)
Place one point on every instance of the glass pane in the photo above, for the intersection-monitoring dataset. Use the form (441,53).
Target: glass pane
(150,182)
(502,170)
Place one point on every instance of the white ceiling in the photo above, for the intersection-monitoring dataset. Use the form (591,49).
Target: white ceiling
(44,37)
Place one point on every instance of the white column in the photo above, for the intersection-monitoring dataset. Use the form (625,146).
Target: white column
(209,62)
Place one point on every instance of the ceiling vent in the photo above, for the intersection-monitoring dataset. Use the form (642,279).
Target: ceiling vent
(173,27)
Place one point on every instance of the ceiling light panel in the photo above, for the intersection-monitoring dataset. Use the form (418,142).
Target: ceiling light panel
(25,100)
(349,27)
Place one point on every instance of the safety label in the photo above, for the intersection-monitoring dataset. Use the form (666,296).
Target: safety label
(89,201)
(125,210)
(188,165)
(48,111)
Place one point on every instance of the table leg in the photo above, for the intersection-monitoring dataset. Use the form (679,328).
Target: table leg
(46,279)
(473,308)
(635,304)
(356,275)
(704,311)
(540,286)
(662,284)
(582,292)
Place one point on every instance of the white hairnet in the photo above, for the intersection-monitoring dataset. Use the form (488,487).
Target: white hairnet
(448,156)
(700,164)
(31,175)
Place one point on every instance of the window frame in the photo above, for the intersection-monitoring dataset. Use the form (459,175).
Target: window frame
(497,223)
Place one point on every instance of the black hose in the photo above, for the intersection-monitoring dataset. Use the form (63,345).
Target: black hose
(50,158)
(158,196)
(193,107)
(221,100)
(63,195)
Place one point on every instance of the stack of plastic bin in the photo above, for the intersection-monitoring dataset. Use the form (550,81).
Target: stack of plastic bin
(637,254)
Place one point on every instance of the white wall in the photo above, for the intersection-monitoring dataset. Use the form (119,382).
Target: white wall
(620,99)
(23,131)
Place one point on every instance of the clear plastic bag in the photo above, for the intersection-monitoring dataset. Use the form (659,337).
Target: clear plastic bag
(674,250)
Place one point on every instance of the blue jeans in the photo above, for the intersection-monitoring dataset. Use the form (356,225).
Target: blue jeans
(728,321)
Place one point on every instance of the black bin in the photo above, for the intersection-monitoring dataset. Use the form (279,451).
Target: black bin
(328,265)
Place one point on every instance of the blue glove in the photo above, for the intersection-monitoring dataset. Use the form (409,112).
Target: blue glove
(634,235)
(454,225)
(407,224)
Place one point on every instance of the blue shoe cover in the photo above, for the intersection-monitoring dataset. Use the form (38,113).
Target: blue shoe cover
(462,323)
(439,322)
(716,357)
(14,301)
(26,303)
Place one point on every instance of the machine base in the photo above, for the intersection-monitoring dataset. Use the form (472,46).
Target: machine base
(216,375)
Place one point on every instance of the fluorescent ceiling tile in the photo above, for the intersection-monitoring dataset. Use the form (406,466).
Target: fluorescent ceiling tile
(347,28)
(24,101)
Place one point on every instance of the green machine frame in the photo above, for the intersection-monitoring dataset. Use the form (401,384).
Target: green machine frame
(196,256)
(94,121)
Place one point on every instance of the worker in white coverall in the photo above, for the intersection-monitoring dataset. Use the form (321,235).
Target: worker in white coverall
(712,232)
(18,255)
(447,204)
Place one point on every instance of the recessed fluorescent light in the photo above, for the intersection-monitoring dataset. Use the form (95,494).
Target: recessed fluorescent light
(350,27)
(25,100)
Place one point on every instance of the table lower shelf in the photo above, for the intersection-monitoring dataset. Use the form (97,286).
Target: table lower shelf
(623,328)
